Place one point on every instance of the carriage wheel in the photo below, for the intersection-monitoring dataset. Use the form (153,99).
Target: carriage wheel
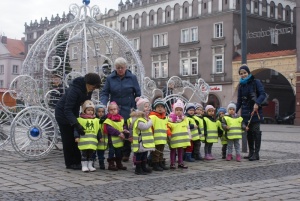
(5,120)
(33,132)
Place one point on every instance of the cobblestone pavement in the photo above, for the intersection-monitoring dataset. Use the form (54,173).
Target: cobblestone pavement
(276,176)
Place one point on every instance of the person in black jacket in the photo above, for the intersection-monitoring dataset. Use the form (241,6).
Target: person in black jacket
(66,113)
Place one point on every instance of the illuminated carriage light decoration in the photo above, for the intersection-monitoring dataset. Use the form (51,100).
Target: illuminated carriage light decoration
(182,89)
(33,130)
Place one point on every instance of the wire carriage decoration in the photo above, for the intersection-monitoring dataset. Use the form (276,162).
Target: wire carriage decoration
(29,128)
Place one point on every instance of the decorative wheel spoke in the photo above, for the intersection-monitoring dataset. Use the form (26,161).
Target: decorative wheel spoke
(33,132)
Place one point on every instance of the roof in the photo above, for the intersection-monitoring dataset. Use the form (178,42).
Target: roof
(267,55)
(16,48)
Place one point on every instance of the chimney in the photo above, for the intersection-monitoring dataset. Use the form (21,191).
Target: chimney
(4,40)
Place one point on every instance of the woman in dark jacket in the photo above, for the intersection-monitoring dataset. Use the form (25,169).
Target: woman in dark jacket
(67,111)
(251,94)
(122,87)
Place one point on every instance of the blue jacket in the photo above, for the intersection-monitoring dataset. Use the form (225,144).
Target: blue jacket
(246,99)
(122,91)
(68,106)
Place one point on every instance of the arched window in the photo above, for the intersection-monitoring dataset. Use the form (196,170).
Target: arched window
(144,19)
(136,21)
(177,12)
(280,11)
(123,24)
(272,9)
(185,10)
(195,8)
(288,14)
(151,18)
(160,19)
(129,23)
(264,8)
(168,14)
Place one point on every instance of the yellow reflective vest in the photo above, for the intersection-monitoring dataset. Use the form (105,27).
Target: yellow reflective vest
(223,137)
(142,138)
(159,129)
(212,130)
(116,140)
(235,124)
(103,145)
(194,131)
(91,129)
(199,119)
(180,136)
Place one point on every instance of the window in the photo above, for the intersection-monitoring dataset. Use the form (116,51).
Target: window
(74,52)
(133,68)
(218,30)
(1,69)
(189,35)
(15,69)
(160,69)
(135,42)
(189,66)
(109,46)
(1,83)
(160,40)
(218,64)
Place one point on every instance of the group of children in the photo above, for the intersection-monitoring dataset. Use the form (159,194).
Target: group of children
(186,127)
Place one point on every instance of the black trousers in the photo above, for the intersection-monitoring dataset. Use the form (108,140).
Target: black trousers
(72,154)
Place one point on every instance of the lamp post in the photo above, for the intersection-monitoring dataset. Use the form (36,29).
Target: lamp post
(244,53)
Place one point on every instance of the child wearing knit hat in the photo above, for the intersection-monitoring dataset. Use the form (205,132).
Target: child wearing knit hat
(233,125)
(178,134)
(103,140)
(211,131)
(193,126)
(159,127)
(142,138)
(220,118)
(87,144)
(114,128)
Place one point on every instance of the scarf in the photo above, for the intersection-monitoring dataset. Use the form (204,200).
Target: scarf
(116,117)
(245,80)
(87,116)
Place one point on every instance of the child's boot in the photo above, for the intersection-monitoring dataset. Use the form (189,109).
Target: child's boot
(90,166)
(101,164)
(111,164)
(156,167)
(84,165)
(119,164)
(238,158)
(229,157)
(182,166)
(188,157)
(138,168)
(163,165)
(144,167)
(211,157)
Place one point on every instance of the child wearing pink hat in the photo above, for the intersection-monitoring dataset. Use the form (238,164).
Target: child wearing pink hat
(178,134)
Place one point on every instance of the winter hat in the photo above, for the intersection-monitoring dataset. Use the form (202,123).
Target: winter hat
(157,102)
(198,105)
(86,104)
(209,107)
(141,103)
(231,105)
(190,106)
(221,109)
(179,104)
(97,107)
(244,67)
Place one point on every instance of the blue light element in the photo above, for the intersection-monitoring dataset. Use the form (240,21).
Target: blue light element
(34,132)
(86,2)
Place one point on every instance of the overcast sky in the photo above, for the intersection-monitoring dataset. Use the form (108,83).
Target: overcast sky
(14,13)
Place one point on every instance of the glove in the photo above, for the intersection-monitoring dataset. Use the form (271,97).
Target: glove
(79,129)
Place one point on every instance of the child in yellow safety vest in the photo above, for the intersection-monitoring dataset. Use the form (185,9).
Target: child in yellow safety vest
(103,141)
(199,111)
(220,118)
(142,137)
(114,128)
(190,114)
(211,131)
(178,134)
(87,143)
(159,120)
(233,125)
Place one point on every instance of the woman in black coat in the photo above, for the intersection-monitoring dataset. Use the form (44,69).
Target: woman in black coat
(251,94)
(67,111)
